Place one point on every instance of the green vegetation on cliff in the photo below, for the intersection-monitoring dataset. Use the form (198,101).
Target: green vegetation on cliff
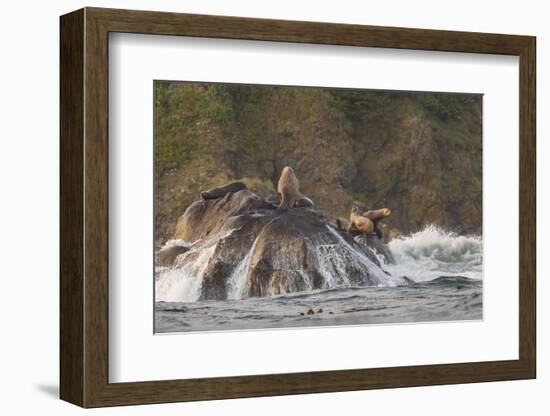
(418,154)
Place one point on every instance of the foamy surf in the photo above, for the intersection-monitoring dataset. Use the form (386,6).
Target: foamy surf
(434,252)
(446,267)
(183,284)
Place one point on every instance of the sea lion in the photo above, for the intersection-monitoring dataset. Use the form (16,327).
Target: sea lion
(273,200)
(342,224)
(221,191)
(376,215)
(360,223)
(289,191)
(303,202)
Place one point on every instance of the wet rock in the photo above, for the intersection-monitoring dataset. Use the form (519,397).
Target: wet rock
(245,247)
(273,200)
(408,281)
(167,255)
(203,217)
(373,242)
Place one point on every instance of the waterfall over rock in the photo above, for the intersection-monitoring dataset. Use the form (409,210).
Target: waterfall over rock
(240,246)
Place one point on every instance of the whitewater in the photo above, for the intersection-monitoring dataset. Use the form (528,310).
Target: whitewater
(443,271)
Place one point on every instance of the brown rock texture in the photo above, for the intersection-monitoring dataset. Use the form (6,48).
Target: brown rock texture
(245,247)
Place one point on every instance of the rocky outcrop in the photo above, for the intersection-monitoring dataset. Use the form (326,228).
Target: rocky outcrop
(245,247)
(374,243)
(166,256)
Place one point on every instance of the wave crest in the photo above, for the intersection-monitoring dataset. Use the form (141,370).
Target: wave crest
(434,252)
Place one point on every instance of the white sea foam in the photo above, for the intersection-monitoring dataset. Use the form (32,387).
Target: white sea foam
(184,283)
(434,252)
(334,258)
(422,256)
(179,243)
(237,280)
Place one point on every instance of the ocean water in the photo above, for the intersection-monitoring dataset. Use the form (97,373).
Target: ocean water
(444,271)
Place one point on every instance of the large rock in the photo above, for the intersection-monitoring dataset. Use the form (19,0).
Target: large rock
(245,247)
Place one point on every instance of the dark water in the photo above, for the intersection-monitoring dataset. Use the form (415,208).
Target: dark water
(441,299)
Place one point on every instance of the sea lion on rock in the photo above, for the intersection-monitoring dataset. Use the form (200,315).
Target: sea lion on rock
(273,200)
(221,191)
(289,191)
(303,202)
(342,224)
(360,223)
(376,215)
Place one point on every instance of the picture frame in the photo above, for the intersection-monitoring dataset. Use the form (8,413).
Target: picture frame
(84,216)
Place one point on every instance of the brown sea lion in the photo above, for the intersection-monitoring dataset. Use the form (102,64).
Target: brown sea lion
(376,215)
(360,223)
(221,191)
(273,200)
(289,191)
(303,202)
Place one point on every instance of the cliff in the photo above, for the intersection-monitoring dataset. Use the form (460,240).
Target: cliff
(417,153)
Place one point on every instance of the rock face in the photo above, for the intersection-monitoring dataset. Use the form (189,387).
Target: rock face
(374,243)
(167,255)
(245,247)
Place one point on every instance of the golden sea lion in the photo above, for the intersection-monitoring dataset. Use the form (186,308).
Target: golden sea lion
(376,215)
(342,224)
(221,191)
(358,222)
(289,191)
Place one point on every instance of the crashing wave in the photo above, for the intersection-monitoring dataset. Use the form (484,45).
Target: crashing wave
(434,252)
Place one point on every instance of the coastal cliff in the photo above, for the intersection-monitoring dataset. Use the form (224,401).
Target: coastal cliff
(418,153)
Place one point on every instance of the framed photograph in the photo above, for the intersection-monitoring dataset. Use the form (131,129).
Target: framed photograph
(255,207)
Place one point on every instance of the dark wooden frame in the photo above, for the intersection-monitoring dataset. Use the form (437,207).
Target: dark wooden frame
(84,207)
